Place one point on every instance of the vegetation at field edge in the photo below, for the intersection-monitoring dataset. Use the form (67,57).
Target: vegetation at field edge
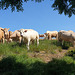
(14,59)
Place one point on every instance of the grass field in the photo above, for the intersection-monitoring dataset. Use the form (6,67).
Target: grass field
(15,59)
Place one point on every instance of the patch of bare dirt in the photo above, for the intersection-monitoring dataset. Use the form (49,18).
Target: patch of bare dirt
(46,57)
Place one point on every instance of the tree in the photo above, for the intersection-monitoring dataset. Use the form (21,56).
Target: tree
(66,6)
(14,4)
(63,6)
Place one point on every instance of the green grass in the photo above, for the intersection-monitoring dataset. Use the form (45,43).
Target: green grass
(45,45)
(14,60)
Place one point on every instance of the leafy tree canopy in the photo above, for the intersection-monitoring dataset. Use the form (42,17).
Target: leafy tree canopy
(66,6)
(14,4)
(63,6)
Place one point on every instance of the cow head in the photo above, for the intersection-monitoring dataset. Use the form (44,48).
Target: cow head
(6,32)
(22,31)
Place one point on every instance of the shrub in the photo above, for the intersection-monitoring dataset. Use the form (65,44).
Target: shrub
(71,53)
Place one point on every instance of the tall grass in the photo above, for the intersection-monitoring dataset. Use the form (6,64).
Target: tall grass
(45,45)
(18,49)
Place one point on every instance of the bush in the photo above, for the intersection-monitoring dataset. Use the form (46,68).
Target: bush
(71,53)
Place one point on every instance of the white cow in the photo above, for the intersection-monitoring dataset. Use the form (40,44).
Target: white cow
(29,35)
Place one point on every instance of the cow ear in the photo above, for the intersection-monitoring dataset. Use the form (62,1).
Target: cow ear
(8,28)
(48,33)
(25,31)
(18,30)
(2,29)
(45,33)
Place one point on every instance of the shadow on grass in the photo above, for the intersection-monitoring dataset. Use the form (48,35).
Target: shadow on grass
(9,66)
(65,45)
(23,45)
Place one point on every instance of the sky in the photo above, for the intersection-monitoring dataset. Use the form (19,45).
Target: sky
(37,16)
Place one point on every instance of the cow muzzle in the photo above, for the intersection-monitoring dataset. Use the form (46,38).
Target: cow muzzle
(21,35)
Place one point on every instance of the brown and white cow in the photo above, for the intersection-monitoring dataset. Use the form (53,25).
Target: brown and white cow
(15,36)
(51,34)
(3,34)
(6,33)
(66,36)
(43,36)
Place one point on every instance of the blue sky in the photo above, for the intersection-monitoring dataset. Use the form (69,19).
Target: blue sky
(37,16)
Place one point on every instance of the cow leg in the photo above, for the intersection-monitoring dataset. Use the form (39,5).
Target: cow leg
(3,40)
(57,37)
(0,41)
(7,40)
(62,42)
(73,43)
(37,42)
(50,37)
(32,41)
(19,39)
(28,44)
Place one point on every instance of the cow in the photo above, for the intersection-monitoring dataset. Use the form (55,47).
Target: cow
(14,36)
(70,31)
(29,35)
(63,31)
(1,28)
(66,36)
(43,36)
(3,34)
(6,33)
(51,34)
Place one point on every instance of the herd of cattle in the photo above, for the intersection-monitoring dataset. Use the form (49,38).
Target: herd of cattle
(29,36)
